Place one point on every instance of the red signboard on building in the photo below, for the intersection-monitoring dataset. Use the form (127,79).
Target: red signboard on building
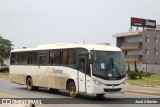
(143,22)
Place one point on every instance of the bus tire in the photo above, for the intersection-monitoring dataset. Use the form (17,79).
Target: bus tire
(72,89)
(29,84)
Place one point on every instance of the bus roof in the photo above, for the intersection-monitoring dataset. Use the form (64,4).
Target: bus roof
(68,45)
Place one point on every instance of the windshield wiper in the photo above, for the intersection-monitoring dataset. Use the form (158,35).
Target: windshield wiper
(117,70)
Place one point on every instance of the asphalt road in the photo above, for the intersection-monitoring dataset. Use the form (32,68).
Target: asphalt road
(20,91)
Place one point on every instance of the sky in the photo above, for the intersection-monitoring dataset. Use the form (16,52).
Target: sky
(28,23)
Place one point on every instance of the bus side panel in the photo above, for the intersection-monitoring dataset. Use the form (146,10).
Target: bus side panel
(42,76)
(45,76)
(35,80)
(18,74)
(30,71)
(22,78)
(14,74)
(60,82)
(89,84)
(55,82)
(57,76)
(14,77)
(51,82)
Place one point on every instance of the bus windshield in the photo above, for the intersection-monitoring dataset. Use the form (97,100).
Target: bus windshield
(108,64)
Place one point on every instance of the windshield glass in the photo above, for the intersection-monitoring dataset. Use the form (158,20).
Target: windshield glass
(108,64)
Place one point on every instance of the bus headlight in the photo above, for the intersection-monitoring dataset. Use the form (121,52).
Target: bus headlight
(97,82)
(124,82)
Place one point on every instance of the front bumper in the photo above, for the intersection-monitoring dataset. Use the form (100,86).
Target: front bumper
(102,89)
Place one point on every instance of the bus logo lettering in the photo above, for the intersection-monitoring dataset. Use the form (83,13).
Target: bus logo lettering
(57,71)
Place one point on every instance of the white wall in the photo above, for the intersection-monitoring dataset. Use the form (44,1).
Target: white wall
(152,68)
(132,67)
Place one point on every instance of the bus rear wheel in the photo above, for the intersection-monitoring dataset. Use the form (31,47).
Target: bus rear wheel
(72,90)
(29,84)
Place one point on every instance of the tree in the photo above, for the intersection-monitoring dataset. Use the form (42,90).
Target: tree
(128,71)
(5,48)
(132,74)
(135,66)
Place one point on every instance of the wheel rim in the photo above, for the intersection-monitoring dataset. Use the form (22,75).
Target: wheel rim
(72,90)
(29,84)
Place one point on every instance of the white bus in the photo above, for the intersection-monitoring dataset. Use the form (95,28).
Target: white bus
(79,68)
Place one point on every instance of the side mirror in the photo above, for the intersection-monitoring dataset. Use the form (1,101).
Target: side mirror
(91,58)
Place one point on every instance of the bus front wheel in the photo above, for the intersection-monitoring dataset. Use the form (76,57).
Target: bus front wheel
(72,90)
(29,84)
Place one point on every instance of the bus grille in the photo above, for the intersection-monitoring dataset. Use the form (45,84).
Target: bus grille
(112,90)
(112,84)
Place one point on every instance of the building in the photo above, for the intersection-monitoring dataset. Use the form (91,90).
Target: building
(158,26)
(142,47)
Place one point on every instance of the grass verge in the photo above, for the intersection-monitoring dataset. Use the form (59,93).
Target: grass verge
(153,80)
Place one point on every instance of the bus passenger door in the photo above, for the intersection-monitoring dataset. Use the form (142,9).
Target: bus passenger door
(42,73)
(82,67)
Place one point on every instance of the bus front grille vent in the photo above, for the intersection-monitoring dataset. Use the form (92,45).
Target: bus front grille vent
(112,90)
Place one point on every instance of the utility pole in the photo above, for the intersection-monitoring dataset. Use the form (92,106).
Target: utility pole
(83,41)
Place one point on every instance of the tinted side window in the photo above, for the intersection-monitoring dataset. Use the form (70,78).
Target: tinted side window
(82,64)
(69,57)
(24,58)
(54,57)
(42,60)
(65,57)
(32,58)
(12,60)
(17,58)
